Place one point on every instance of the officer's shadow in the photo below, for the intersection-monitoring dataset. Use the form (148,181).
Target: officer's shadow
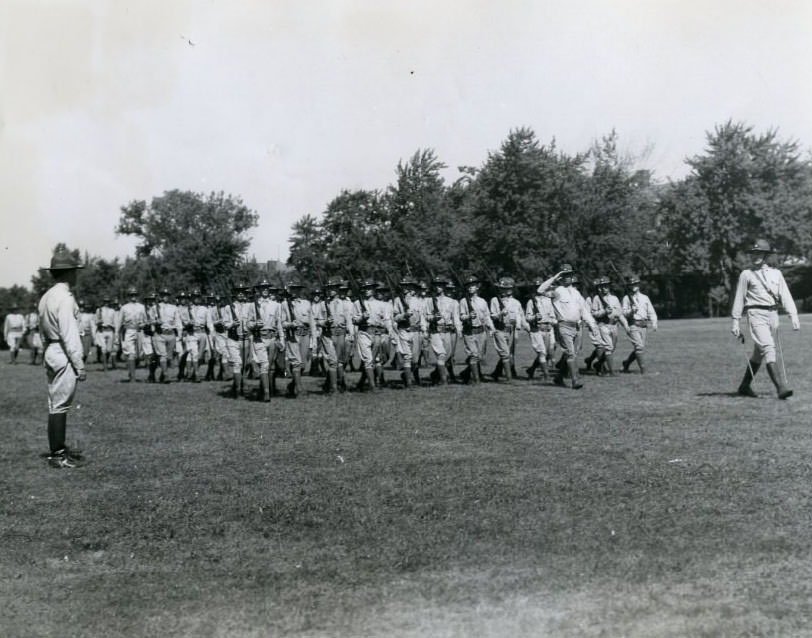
(733,394)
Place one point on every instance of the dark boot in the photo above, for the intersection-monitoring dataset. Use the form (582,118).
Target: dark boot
(449,366)
(131,370)
(609,364)
(407,378)
(341,381)
(182,366)
(236,385)
(210,370)
(475,374)
(506,368)
(573,367)
(416,373)
(332,380)
(561,366)
(744,387)
(153,364)
(778,381)
(164,366)
(374,379)
(221,372)
(531,371)
(442,375)
(57,424)
(629,360)
(641,362)
(497,371)
(598,364)
(297,382)
(362,381)
(588,361)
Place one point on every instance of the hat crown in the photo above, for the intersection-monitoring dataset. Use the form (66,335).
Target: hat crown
(506,282)
(760,246)
(565,268)
(64,260)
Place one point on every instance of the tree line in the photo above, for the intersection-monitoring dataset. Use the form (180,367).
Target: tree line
(526,209)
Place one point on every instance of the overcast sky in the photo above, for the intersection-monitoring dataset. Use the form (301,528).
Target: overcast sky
(284,103)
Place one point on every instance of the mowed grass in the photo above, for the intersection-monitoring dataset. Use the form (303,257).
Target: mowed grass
(656,505)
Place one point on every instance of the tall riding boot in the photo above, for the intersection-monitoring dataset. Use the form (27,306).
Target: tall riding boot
(449,366)
(362,381)
(57,424)
(573,367)
(221,371)
(641,362)
(532,369)
(374,379)
(609,364)
(379,381)
(236,384)
(497,371)
(744,387)
(341,382)
(588,361)
(131,370)
(332,380)
(628,361)
(406,375)
(164,369)
(442,374)
(263,387)
(599,361)
(297,381)
(182,366)
(475,373)
(561,366)
(153,364)
(210,369)
(105,358)
(506,368)
(778,381)
(416,373)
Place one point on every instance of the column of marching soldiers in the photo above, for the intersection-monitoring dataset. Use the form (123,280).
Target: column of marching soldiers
(266,332)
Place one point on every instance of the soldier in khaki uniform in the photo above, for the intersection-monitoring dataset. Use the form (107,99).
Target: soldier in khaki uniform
(13,331)
(443,319)
(87,329)
(507,317)
(167,329)
(477,326)
(641,316)
(297,321)
(106,325)
(409,316)
(608,313)
(63,356)
(541,320)
(761,290)
(32,338)
(268,338)
(132,319)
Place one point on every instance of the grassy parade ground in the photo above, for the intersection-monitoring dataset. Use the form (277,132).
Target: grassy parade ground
(656,505)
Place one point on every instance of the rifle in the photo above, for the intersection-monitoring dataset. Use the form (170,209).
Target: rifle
(625,286)
(290,331)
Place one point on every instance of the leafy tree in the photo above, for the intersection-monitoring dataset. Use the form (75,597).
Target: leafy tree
(188,238)
(745,185)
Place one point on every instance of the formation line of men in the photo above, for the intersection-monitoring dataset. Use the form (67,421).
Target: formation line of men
(267,333)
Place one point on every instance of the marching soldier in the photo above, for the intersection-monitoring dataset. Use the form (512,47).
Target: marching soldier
(64,366)
(409,315)
(148,332)
(345,350)
(87,329)
(384,296)
(13,331)
(182,342)
(219,349)
(332,318)
(132,319)
(541,320)
(369,318)
(507,317)
(297,321)
(197,334)
(607,312)
(570,309)
(268,338)
(106,325)
(451,293)
(595,339)
(238,318)
(167,330)
(316,361)
(640,315)
(759,293)
(443,323)
(477,326)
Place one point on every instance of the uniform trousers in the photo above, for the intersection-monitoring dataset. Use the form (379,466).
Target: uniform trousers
(34,340)
(146,344)
(368,344)
(608,337)
(637,335)
(327,349)
(504,342)
(163,343)
(106,339)
(61,379)
(441,345)
(266,348)
(763,327)
(297,353)
(566,332)
(542,340)
(14,339)
(474,344)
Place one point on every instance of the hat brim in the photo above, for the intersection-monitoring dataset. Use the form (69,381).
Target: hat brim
(57,268)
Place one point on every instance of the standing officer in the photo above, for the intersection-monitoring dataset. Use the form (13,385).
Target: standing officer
(106,322)
(759,293)
(64,364)
(507,317)
(132,319)
(640,315)
(541,320)
(13,331)
(477,326)
(570,309)
(32,337)
(87,329)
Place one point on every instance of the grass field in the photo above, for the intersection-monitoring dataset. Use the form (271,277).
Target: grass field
(656,505)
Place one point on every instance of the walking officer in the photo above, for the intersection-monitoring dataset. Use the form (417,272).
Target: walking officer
(760,292)
(13,331)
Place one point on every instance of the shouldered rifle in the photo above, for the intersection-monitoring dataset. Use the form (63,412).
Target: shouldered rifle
(290,331)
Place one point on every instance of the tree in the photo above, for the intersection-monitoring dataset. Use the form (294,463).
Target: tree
(744,186)
(188,238)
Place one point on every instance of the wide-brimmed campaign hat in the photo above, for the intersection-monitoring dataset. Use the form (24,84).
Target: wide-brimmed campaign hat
(64,260)
(760,246)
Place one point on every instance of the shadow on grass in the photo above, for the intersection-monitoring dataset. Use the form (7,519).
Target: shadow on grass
(725,394)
